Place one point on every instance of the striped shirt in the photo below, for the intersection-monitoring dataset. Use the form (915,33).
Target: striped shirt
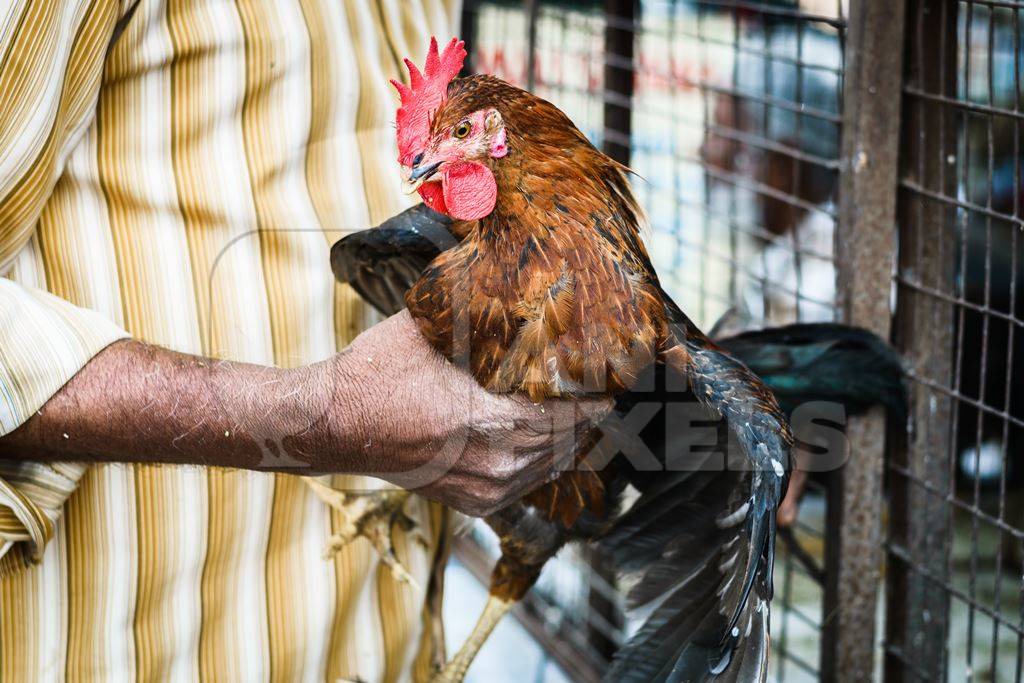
(175,171)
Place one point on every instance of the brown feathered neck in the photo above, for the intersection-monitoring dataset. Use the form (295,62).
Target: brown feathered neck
(551,174)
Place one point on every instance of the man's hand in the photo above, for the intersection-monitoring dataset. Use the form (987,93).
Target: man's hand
(389,406)
(427,425)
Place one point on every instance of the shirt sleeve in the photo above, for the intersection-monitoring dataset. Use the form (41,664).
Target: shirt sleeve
(51,67)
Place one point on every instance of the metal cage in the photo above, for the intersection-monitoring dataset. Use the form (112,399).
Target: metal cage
(801,160)
(954,553)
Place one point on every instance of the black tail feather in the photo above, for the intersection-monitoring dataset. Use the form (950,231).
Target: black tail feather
(701,541)
(825,362)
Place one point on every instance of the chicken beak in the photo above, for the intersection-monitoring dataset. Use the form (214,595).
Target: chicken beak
(419,175)
(424,172)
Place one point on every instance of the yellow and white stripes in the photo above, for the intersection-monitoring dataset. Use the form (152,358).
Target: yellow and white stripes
(182,186)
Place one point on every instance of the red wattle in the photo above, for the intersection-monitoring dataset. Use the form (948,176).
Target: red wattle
(469,190)
(433,196)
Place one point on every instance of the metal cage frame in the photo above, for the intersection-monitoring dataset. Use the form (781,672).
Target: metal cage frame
(912,123)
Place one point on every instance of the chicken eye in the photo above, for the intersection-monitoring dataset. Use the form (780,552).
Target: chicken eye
(461,130)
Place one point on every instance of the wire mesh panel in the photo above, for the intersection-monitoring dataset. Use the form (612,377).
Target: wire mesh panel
(733,130)
(736,142)
(955,553)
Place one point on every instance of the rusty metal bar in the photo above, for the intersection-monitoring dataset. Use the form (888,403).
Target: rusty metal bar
(619,34)
(865,249)
(468,32)
(621,20)
(917,613)
(531,9)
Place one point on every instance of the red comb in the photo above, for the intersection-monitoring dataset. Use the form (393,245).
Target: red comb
(424,95)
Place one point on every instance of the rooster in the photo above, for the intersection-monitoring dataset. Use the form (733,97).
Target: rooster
(526,263)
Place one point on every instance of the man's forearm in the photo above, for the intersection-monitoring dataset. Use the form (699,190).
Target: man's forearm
(388,406)
(136,402)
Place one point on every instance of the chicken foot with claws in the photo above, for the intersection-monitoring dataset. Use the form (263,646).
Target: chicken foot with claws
(373,515)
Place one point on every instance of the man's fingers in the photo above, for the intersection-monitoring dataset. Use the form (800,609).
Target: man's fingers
(538,472)
(595,409)
(522,407)
(568,412)
(560,417)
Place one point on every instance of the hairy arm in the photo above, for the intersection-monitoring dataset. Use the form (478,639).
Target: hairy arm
(135,402)
(389,406)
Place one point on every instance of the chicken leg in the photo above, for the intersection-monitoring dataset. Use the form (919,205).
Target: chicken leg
(528,541)
(455,670)
(374,515)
